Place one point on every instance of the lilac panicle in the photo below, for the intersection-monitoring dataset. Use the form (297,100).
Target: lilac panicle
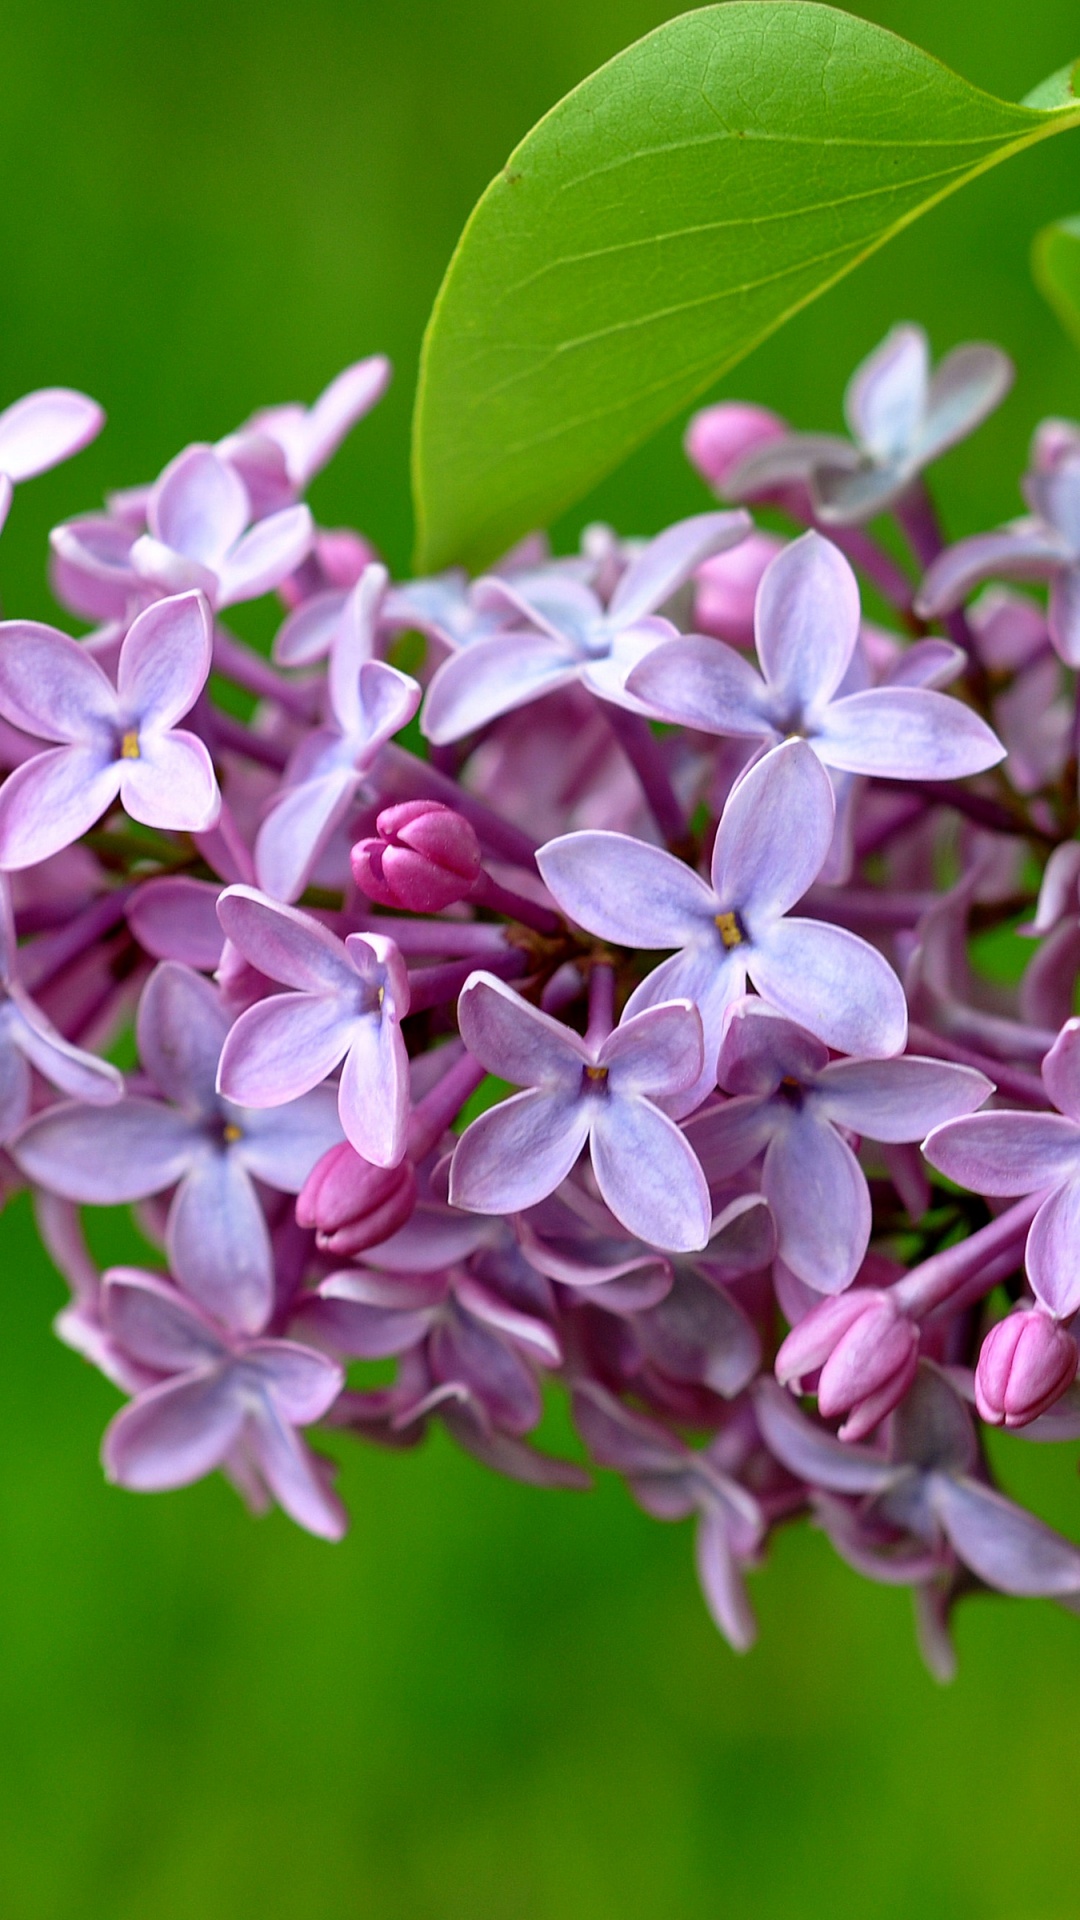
(683,900)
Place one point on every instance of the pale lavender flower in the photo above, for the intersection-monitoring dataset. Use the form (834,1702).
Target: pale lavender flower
(210,1149)
(566,633)
(198,515)
(1043,546)
(580,1092)
(221,1399)
(795,1105)
(737,927)
(114,743)
(807,627)
(1018,1153)
(369,702)
(927,1486)
(347,1002)
(901,417)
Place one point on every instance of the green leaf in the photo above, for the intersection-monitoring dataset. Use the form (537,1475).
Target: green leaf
(673,210)
(1056,261)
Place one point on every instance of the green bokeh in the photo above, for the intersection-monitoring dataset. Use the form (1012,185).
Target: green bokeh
(489,1701)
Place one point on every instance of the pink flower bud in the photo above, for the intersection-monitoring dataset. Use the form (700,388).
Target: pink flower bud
(718,437)
(426,856)
(1027,1362)
(726,589)
(353,1205)
(867,1351)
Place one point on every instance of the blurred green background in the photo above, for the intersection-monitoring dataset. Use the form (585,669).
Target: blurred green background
(489,1701)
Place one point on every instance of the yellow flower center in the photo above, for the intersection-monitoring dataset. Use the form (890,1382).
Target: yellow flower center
(129,746)
(232,1133)
(730,931)
(596,1073)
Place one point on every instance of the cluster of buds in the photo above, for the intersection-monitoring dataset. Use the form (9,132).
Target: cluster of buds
(615,1027)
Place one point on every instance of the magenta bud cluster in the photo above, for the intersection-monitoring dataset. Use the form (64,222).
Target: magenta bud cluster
(561,980)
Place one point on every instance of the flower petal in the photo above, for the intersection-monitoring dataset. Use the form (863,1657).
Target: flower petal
(648,1174)
(829,980)
(886,396)
(81,1075)
(153,1322)
(172,784)
(51,687)
(810,1451)
(722,1582)
(627,891)
(373,1095)
(219,1244)
(284,943)
(265,555)
(969,383)
(43,428)
(901,1099)
(1005,1546)
(173,1434)
(282,1047)
(104,1157)
(165,660)
(906,733)
(297,1478)
(518,1152)
(806,622)
(181,1029)
(759,866)
(655,1052)
(51,801)
(492,677)
(1006,1153)
(199,506)
(820,1200)
(1028,553)
(337,410)
(1051,1257)
(667,562)
(302,1383)
(297,828)
(705,684)
(281,1145)
(517,1041)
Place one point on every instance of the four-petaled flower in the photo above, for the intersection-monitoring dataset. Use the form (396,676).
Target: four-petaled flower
(117,742)
(565,632)
(577,1091)
(347,1004)
(222,1400)
(209,1149)
(770,846)
(807,627)
(901,417)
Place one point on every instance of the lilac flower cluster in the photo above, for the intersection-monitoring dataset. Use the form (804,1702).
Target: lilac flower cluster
(616,1021)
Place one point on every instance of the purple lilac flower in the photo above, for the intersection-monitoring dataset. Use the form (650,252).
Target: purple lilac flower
(1043,546)
(1018,1153)
(114,743)
(207,1148)
(221,1400)
(369,702)
(795,1105)
(901,418)
(567,634)
(579,1092)
(198,516)
(928,1486)
(807,627)
(345,1009)
(738,927)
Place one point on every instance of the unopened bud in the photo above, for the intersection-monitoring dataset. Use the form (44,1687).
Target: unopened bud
(425,858)
(867,1351)
(719,437)
(1027,1362)
(352,1204)
(725,589)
